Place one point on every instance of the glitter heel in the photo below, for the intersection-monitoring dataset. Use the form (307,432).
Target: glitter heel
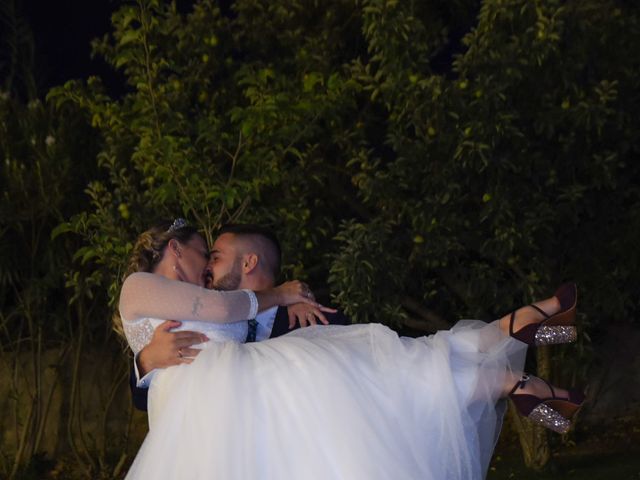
(554,413)
(553,329)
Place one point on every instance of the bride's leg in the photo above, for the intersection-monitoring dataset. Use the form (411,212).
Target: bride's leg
(527,315)
(526,384)
(546,322)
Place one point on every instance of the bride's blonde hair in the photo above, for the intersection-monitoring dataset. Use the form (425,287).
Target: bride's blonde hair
(149,250)
(149,247)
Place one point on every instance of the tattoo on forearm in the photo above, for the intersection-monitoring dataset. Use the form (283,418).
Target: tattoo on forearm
(197,305)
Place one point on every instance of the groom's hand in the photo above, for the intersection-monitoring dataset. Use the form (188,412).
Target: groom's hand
(168,348)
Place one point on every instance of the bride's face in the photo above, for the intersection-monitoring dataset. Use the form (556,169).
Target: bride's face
(194,260)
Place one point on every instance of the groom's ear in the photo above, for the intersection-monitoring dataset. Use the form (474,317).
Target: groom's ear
(249,262)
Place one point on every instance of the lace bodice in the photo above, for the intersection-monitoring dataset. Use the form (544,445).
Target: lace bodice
(140,331)
(146,298)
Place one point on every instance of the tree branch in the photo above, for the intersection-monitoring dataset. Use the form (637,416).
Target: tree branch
(429,320)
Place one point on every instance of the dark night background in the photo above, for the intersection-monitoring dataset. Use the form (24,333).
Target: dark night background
(63,31)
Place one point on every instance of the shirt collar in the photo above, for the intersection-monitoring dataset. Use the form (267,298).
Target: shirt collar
(267,316)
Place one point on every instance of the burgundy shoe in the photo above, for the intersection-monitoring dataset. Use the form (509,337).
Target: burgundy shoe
(554,412)
(554,329)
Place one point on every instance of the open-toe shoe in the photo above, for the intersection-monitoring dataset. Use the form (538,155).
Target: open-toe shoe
(553,412)
(552,329)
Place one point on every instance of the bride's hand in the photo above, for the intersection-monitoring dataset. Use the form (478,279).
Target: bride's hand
(307,314)
(286,294)
(295,291)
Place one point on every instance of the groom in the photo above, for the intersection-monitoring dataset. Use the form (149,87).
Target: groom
(243,256)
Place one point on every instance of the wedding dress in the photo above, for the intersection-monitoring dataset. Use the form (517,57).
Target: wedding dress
(325,402)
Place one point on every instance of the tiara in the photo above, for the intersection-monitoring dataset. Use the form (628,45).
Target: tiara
(177,224)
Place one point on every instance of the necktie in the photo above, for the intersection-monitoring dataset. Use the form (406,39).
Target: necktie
(253,328)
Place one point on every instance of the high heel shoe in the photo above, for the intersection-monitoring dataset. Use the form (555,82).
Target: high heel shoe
(552,329)
(554,413)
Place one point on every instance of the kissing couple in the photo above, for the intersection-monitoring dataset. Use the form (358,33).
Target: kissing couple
(321,402)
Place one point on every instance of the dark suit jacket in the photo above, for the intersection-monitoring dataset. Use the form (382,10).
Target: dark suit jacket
(280,327)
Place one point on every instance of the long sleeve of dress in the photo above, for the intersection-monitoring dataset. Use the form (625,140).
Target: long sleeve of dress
(149,295)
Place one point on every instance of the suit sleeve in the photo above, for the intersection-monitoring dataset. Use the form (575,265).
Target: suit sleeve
(138,394)
(337,318)
(281,323)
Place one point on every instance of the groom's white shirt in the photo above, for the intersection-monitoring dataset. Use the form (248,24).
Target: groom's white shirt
(265,321)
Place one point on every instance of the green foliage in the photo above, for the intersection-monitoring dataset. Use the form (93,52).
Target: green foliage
(363,272)
(40,322)
(210,126)
(483,177)
(501,168)
(41,186)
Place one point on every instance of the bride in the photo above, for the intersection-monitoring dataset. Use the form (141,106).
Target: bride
(330,402)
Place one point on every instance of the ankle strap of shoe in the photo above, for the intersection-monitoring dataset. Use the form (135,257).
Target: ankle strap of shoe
(520,383)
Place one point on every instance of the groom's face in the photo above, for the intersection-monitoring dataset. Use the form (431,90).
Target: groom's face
(226,263)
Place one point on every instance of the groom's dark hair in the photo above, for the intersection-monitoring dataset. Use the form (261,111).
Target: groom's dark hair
(261,237)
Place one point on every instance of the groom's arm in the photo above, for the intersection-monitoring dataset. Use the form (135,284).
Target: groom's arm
(338,318)
(282,320)
(166,348)
(138,394)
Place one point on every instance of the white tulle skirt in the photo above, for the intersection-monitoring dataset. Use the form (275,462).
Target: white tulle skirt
(332,402)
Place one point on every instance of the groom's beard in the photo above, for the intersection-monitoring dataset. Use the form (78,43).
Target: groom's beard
(231,280)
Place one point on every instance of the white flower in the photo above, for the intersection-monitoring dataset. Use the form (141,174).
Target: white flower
(50,140)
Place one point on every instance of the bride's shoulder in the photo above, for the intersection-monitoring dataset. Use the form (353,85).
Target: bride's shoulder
(138,277)
(138,280)
(134,288)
